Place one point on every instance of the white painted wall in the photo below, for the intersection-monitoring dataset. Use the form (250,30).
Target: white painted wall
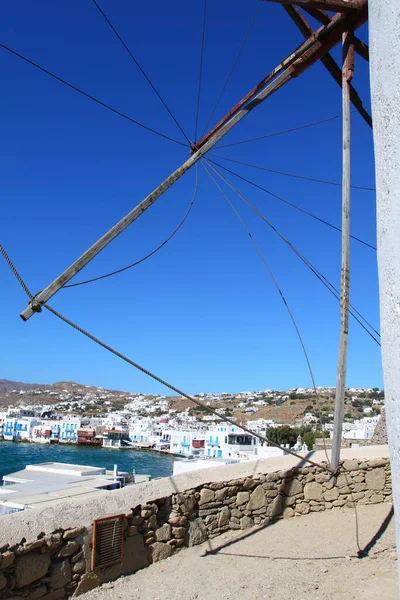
(384,31)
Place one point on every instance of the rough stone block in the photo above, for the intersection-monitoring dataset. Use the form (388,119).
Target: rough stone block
(53,541)
(246,522)
(163,534)
(375,479)
(360,487)
(357,495)
(257,499)
(377,462)
(293,487)
(196,533)
(159,551)
(377,499)
(68,549)
(350,465)
(275,508)
(221,494)
(60,574)
(177,521)
(29,546)
(303,508)
(73,533)
(206,496)
(178,532)
(331,494)
(249,484)
(242,498)
(288,513)
(79,566)
(31,567)
(223,517)
(273,477)
(313,491)
(189,503)
(87,583)
(339,502)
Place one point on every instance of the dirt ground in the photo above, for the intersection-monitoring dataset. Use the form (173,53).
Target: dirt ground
(313,556)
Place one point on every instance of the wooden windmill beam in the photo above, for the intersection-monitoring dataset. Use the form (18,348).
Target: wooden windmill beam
(333,5)
(329,62)
(322,17)
(347,74)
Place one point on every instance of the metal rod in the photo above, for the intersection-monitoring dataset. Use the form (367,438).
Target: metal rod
(347,74)
(61,280)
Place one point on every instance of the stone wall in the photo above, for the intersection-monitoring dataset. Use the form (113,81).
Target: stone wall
(56,564)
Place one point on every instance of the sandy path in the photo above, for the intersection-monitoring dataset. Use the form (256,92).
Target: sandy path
(301,558)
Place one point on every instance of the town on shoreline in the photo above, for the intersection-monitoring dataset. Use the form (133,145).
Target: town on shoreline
(69,413)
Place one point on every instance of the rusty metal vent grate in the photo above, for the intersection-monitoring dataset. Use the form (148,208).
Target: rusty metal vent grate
(108,541)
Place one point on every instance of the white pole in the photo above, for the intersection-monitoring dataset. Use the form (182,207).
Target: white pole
(384,32)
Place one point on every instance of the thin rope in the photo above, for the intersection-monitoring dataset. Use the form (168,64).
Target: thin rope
(100,102)
(275,281)
(299,208)
(247,33)
(308,263)
(200,67)
(292,129)
(177,228)
(284,131)
(240,162)
(101,11)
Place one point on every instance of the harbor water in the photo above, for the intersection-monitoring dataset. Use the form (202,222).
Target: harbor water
(15,456)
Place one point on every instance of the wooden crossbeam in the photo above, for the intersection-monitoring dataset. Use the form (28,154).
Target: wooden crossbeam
(328,61)
(333,5)
(322,17)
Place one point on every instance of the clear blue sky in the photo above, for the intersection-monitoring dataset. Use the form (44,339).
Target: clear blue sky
(203,312)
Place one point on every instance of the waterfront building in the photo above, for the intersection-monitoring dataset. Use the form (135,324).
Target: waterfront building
(46,433)
(115,438)
(19,429)
(229,441)
(185,441)
(69,430)
(90,436)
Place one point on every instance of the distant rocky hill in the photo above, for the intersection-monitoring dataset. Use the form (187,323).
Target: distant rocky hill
(6,386)
(15,392)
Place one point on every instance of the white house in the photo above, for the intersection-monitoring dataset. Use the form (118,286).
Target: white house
(19,429)
(229,441)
